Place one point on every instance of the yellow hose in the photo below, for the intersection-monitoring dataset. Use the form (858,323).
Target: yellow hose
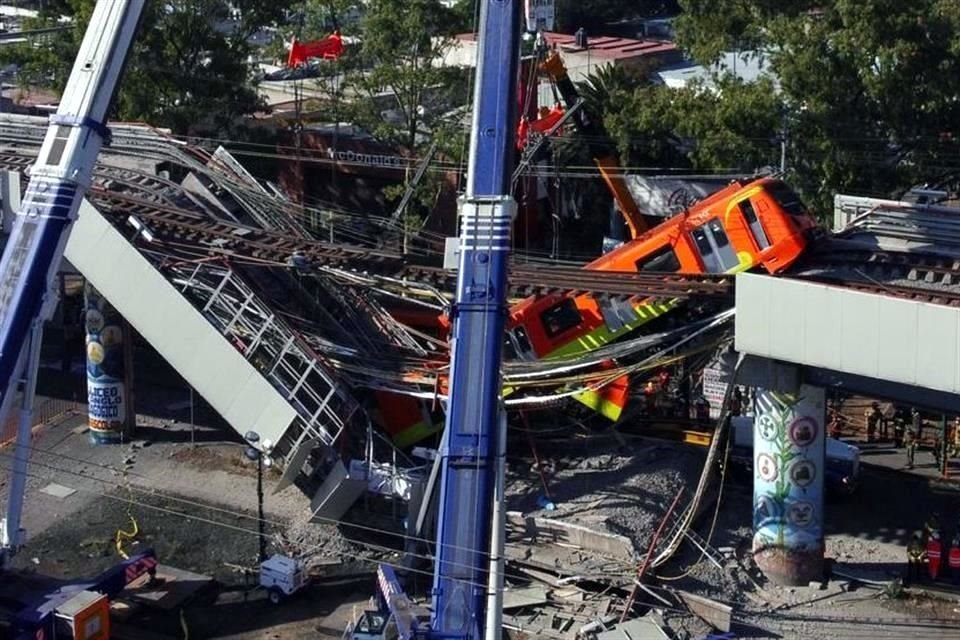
(126,535)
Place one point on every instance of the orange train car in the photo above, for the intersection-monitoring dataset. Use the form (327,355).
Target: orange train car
(747,225)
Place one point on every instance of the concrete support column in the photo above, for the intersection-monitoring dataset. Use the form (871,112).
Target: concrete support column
(109,402)
(789,450)
(9,198)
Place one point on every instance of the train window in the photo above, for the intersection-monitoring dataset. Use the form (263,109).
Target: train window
(561,317)
(746,207)
(714,247)
(663,260)
(787,199)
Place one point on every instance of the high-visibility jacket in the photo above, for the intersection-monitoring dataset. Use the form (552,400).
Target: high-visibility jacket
(934,554)
(954,558)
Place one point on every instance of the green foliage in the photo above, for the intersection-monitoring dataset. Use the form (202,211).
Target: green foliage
(868,86)
(185,72)
(401,41)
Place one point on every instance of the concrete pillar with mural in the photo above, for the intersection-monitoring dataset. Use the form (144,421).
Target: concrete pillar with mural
(789,450)
(109,400)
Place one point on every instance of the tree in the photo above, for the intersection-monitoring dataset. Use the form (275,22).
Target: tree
(868,87)
(401,94)
(189,68)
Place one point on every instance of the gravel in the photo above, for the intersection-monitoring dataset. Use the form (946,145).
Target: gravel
(624,490)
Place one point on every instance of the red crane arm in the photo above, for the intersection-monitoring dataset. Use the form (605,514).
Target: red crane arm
(329,48)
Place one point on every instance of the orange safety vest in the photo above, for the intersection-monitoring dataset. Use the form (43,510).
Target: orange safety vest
(954,558)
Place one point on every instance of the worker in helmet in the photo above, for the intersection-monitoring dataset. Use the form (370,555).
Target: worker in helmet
(934,554)
(915,558)
(650,397)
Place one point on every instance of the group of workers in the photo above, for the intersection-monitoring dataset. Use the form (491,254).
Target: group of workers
(928,547)
(904,437)
(662,401)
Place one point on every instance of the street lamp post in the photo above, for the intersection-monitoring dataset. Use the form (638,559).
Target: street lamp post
(255,454)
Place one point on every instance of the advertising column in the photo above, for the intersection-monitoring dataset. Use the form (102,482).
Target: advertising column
(108,398)
(789,451)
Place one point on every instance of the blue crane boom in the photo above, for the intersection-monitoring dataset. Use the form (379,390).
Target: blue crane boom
(58,181)
(468,458)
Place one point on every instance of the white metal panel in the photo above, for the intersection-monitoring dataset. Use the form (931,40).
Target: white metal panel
(175,328)
(897,356)
(822,307)
(785,322)
(859,332)
(753,322)
(848,331)
(936,354)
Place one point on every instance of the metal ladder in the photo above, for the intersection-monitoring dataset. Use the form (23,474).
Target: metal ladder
(323,405)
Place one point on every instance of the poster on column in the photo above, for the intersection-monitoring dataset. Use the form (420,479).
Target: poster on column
(106,389)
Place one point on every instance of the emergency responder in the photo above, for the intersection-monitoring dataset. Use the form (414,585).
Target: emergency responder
(910,444)
(872,415)
(934,554)
(953,558)
(917,424)
(915,557)
(899,429)
(932,524)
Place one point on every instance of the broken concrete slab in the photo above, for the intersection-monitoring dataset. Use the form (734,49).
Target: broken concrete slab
(545,530)
(637,629)
(519,597)
(716,614)
(58,490)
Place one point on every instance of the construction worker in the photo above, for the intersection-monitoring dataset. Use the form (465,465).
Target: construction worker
(910,444)
(938,450)
(915,557)
(702,409)
(834,424)
(956,438)
(872,415)
(650,396)
(736,402)
(934,554)
(953,558)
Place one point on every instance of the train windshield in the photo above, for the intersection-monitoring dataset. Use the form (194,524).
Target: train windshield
(787,199)
(561,317)
(663,260)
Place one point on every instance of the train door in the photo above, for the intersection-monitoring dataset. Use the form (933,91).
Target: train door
(714,247)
